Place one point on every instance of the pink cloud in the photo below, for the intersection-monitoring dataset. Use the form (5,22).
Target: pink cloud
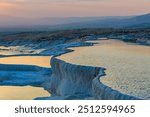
(50,8)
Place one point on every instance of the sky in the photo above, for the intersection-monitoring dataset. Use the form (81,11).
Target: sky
(73,8)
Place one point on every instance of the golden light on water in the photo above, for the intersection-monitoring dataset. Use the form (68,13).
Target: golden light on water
(42,61)
(21,93)
(128,65)
(27,92)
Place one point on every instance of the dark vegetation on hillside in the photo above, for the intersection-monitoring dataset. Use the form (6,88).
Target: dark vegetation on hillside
(74,35)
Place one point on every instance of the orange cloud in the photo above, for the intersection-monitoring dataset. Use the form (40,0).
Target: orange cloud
(5,8)
(5,5)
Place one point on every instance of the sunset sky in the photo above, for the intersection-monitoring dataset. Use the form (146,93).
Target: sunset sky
(69,8)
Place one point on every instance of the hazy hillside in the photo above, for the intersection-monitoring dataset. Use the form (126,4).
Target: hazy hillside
(9,23)
(115,22)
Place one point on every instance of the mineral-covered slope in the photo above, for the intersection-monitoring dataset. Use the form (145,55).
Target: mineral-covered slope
(23,75)
(70,81)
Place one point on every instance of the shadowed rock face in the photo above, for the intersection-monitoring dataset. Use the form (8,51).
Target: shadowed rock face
(70,81)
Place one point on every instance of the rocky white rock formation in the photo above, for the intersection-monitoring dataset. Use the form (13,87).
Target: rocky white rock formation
(70,81)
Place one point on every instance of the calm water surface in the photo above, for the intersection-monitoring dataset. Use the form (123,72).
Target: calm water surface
(128,65)
(27,92)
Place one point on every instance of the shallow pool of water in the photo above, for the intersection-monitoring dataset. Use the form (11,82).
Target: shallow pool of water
(27,92)
(21,93)
(128,65)
(42,61)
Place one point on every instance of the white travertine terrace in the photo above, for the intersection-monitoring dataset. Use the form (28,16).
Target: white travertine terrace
(70,81)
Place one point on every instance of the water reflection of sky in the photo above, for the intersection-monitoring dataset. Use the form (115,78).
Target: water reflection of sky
(128,66)
(21,93)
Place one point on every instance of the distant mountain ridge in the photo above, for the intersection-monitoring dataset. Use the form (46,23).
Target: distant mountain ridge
(115,22)
(54,23)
